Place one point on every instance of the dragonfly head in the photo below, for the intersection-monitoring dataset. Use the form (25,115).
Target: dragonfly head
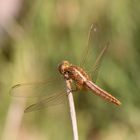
(63,68)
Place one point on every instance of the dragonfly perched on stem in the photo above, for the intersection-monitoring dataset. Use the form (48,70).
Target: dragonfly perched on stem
(76,74)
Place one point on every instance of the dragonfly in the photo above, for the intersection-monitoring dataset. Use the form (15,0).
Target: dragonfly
(78,76)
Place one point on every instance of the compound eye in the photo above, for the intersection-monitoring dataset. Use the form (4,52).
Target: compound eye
(68,72)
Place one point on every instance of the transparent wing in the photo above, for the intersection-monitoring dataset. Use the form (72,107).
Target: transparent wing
(97,64)
(49,93)
(53,100)
(95,50)
(37,89)
(92,31)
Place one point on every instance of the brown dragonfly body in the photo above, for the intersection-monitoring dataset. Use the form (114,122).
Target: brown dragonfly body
(76,74)
(82,80)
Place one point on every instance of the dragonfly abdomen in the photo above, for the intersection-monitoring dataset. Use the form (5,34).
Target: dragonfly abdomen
(100,92)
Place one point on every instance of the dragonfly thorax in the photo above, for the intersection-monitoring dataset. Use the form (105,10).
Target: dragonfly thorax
(73,72)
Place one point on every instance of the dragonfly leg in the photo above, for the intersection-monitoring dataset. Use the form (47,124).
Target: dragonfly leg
(73,90)
(77,87)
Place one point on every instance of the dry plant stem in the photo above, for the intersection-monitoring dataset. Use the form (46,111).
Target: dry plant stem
(72,110)
(13,120)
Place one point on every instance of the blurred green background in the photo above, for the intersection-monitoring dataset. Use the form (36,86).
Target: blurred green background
(38,35)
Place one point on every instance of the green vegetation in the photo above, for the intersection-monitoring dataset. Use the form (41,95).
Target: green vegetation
(51,31)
